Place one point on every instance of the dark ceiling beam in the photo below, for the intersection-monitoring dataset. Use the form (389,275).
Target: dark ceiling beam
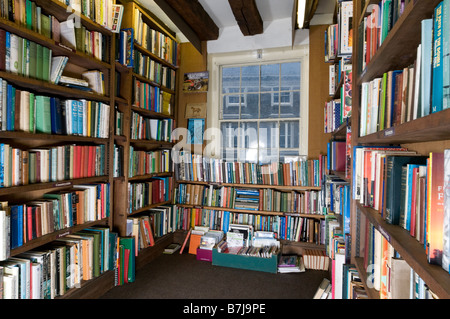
(181,24)
(247,16)
(195,16)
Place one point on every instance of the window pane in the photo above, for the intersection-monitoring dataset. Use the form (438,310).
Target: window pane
(229,134)
(289,134)
(250,79)
(230,155)
(270,77)
(231,80)
(290,104)
(268,134)
(230,107)
(269,105)
(248,155)
(268,155)
(290,76)
(250,106)
(287,156)
(249,135)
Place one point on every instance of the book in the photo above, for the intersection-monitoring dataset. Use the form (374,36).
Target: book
(437,60)
(435,208)
(172,248)
(426,65)
(394,164)
(446,228)
(446,54)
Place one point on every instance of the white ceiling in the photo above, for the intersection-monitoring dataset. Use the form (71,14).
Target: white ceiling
(220,12)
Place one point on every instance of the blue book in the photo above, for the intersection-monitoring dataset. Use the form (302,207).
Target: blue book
(2,164)
(409,195)
(16,226)
(436,97)
(426,64)
(10,105)
(80,117)
(53,115)
(74,110)
(446,54)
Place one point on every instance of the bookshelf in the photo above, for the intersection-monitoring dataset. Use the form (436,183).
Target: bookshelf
(425,134)
(290,213)
(66,176)
(141,84)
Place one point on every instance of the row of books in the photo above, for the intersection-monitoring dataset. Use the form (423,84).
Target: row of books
(151,225)
(55,268)
(28,14)
(143,194)
(336,159)
(41,165)
(24,57)
(338,110)
(391,275)
(154,41)
(375,27)
(148,162)
(336,194)
(125,48)
(338,37)
(152,98)
(293,228)
(145,128)
(195,167)
(21,223)
(415,91)
(25,111)
(78,38)
(154,71)
(407,190)
(307,202)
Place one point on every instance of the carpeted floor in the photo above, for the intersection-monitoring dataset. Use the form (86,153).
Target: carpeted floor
(184,277)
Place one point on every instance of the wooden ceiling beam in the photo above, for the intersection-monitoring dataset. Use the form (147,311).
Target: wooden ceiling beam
(247,16)
(195,16)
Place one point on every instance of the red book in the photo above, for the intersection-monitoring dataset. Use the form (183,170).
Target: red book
(29,234)
(435,208)
(414,188)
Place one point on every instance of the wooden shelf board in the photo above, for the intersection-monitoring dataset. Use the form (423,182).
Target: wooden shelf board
(433,127)
(253,212)
(149,176)
(50,185)
(148,207)
(51,89)
(55,235)
(151,114)
(278,187)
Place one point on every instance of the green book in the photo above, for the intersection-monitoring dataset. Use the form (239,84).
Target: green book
(46,29)
(39,65)
(32,168)
(29,14)
(43,120)
(32,113)
(383,102)
(46,62)
(128,260)
(32,59)
(96,249)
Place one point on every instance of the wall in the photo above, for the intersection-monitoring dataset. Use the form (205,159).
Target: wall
(318,92)
(190,61)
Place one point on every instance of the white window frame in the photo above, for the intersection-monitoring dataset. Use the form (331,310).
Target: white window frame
(278,55)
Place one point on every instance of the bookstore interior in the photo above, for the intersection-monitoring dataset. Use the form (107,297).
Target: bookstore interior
(136,130)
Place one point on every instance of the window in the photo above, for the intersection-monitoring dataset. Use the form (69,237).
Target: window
(260,111)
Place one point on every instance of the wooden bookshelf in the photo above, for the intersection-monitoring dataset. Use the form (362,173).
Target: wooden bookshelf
(125,104)
(397,51)
(79,62)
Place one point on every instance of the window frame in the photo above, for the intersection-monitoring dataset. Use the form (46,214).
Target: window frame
(216,61)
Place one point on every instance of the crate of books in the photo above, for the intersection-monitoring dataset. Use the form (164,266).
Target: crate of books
(242,248)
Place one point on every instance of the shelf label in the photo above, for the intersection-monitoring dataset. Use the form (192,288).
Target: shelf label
(389,132)
(62,184)
(63,234)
